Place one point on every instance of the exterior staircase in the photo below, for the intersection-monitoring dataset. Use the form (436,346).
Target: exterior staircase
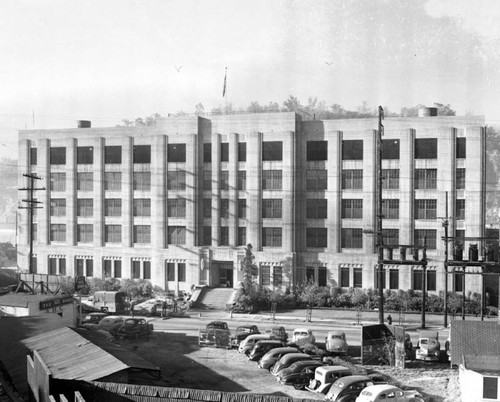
(214,298)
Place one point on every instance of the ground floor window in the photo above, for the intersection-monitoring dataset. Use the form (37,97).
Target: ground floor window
(458,281)
(181,272)
(358,277)
(344,277)
(57,266)
(170,271)
(310,274)
(265,275)
(394,279)
(431,280)
(112,268)
(277,276)
(322,276)
(490,387)
(84,267)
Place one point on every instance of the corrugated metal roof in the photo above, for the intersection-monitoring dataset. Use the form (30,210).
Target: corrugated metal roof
(69,356)
(22,299)
(474,338)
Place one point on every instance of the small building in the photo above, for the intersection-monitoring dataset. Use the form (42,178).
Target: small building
(480,378)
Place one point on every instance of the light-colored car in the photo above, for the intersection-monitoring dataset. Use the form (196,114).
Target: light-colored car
(347,389)
(325,376)
(336,343)
(428,348)
(303,334)
(152,306)
(386,392)
(249,342)
(111,323)
(270,358)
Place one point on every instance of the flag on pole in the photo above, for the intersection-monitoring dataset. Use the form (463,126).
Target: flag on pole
(224,87)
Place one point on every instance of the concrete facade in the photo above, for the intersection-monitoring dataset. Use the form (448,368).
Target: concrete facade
(312,211)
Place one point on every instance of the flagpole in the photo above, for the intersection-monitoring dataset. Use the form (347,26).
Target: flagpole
(224,91)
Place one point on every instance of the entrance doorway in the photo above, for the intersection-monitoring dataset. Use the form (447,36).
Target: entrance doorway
(225,272)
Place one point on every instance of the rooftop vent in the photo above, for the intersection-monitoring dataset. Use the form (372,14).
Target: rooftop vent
(427,112)
(84,123)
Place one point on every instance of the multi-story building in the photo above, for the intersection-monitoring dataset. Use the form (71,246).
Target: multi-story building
(177,203)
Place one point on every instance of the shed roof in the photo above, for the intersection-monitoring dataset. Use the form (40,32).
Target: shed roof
(22,299)
(474,339)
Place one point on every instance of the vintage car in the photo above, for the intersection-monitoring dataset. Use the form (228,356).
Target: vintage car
(111,323)
(215,334)
(303,335)
(278,333)
(299,373)
(152,306)
(287,361)
(249,342)
(262,347)
(270,358)
(134,328)
(347,389)
(447,348)
(386,392)
(428,348)
(325,376)
(93,318)
(242,332)
(335,343)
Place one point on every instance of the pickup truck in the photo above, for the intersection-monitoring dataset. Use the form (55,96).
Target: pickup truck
(215,334)
(134,328)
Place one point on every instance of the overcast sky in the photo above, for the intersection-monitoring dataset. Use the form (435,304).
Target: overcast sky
(108,60)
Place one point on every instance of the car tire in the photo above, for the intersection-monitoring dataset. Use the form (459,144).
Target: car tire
(299,386)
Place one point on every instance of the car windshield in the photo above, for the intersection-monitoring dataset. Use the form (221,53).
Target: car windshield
(130,322)
(242,330)
(217,326)
(336,337)
(424,341)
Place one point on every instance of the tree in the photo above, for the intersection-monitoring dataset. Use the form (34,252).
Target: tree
(292,104)
(254,107)
(248,266)
(444,110)
(199,109)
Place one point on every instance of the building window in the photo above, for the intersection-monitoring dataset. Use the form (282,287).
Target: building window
(170,271)
(458,281)
(207,180)
(224,180)
(85,181)
(317,151)
(242,236)
(272,208)
(344,277)
(316,179)
(390,149)
(224,208)
(142,207)
(113,207)
(460,179)
(357,274)
(390,237)
(272,179)
(431,280)
(461,147)
(52,266)
(316,237)
(207,235)
(352,179)
(310,275)
(316,208)
(390,209)
(146,267)
(85,155)
(207,153)
(271,237)
(242,208)
(176,153)
(58,156)
(58,182)
(490,388)
(224,236)
(142,181)
(277,276)
(58,232)
(322,276)
(417,279)
(176,180)
(62,266)
(242,180)
(352,209)
(176,207)
(352,238)
(427,236)
(207,207)
(272,151)
(112,181)
(118,269)
(142,154)
(460,209)
(33,156)
(176,235)
(107,268)
(113,233)
(390,179)
(84,267)
(426,179)
(136,269)
(224,152)
(242,152)
(181,272)
(425,209)
(265,275)
(84,233)
(352,150)
(113,154)
(425,148)
(394,279)
(58,207)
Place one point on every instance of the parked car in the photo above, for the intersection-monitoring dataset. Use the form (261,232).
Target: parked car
(215,334)
(242,332)
(93,318)
(249,342)
(325,376)
(347,389)
(447,348)
(428,348)
(111,323)
(287,361)
(336,343)
(386,392)
(278,333)
(152,307)
(262,347)
(270,358)
(303,334)
(134,328)
(299,373)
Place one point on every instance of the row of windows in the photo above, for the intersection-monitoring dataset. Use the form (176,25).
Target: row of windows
(425,148)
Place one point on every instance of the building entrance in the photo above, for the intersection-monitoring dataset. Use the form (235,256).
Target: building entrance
(225,273)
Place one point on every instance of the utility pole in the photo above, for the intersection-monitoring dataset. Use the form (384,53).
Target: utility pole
(31,206)
(445,295)
(380,237)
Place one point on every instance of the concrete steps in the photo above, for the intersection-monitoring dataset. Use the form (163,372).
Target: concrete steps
(214,298)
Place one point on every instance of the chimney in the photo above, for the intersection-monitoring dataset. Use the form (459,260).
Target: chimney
(84,123)
(427,112)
